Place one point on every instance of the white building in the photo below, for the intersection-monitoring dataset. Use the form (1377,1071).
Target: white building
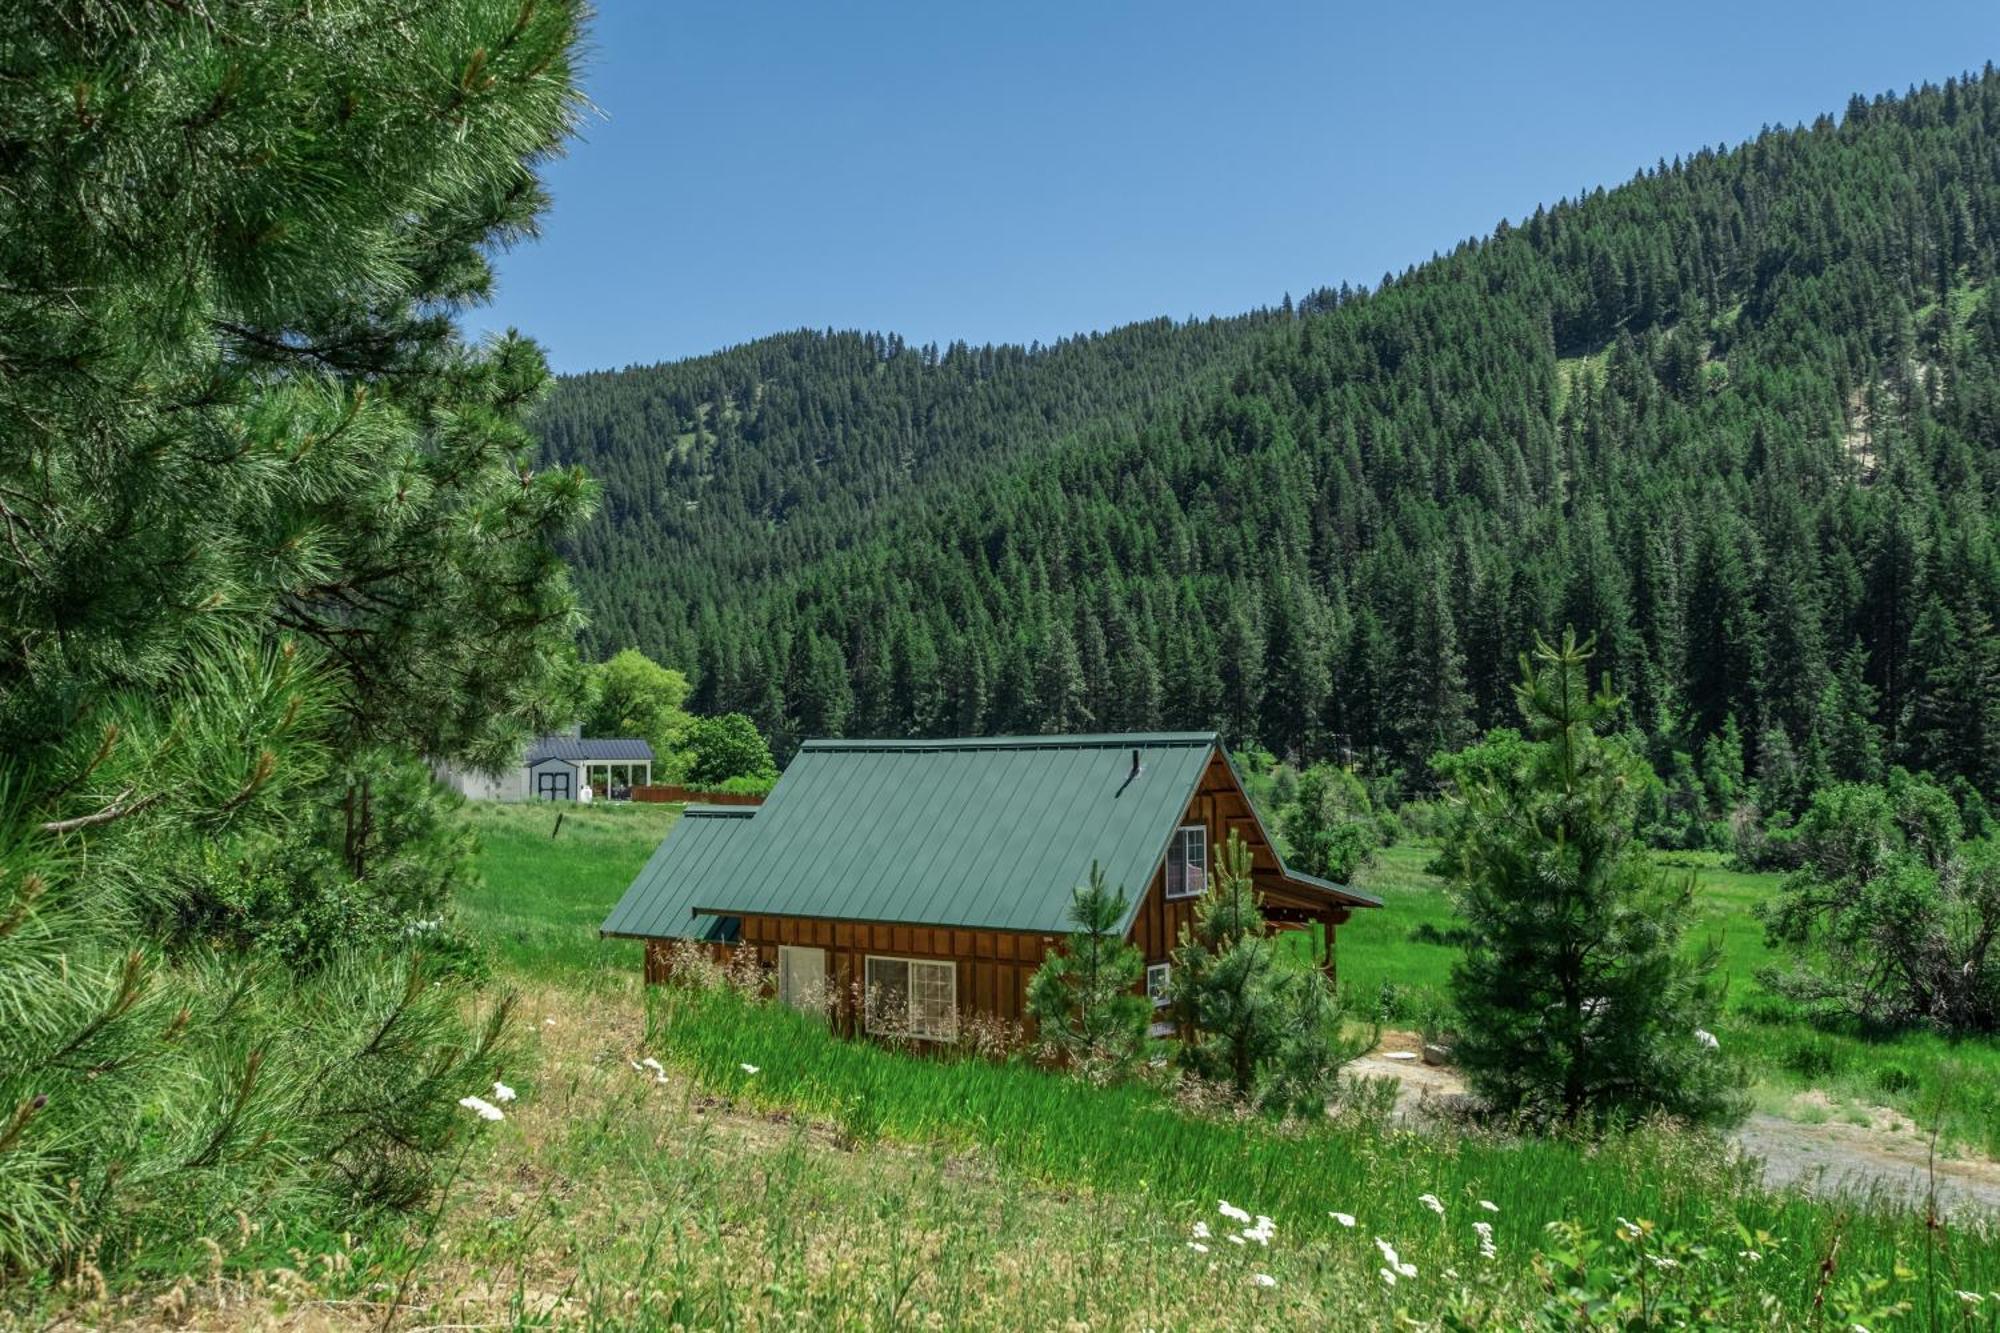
(555,768)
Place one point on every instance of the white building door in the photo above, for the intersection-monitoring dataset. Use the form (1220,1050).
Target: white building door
(802,979)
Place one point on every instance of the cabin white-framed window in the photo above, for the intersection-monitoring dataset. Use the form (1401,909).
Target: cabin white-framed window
(910,997)
(1160,984)
(802,979)
(1187,861)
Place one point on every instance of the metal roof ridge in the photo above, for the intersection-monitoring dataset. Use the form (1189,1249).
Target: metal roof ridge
(719,811)
(1104,740)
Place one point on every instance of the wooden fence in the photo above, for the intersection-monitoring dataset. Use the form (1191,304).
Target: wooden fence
(690,796)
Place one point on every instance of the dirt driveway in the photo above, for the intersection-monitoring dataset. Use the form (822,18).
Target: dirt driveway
(1888,1157)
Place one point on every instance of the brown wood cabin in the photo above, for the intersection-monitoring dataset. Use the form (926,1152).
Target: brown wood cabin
(931,877)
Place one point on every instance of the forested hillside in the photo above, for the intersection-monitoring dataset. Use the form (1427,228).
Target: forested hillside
(726,471)
(1736,417)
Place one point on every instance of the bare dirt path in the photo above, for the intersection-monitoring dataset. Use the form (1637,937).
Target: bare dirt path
(1889,1157)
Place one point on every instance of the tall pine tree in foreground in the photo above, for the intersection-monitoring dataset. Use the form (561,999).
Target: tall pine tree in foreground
(269,539)
(1576,997)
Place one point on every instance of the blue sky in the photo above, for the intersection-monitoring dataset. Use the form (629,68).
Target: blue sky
(1024,171)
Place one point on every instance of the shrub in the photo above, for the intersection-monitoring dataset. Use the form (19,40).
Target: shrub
(1756,844)
(1814,1058)
(1892,915)
(1892,1077)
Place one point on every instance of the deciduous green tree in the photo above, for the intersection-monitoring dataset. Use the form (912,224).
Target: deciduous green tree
(632,695)
(726,748)
(1330,825)
(1893,913)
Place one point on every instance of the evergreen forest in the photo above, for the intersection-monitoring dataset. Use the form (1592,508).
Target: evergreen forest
(1734,419)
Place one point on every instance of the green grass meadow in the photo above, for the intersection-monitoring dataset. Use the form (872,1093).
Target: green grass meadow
(545,888)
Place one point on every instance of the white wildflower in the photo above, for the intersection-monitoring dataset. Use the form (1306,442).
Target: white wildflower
(1485,1230)
(1345,1219)
(482,1108)
(1235,1239)
(636,1065)
(548,1022)
(1263,1231)
(1394,1260)
(749,1069)
(1970,1297)
(1201,1231)
(1451,1273)
(660,1078)
(1387,1276)
(1264,1279)
(1750,1256)
(1707,1038)
(652,1064)
(1197,1247)
(1232,1212)
(502,1093)
(1432,1202)
(1489,1205)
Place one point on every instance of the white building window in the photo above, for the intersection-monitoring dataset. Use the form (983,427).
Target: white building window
(1159,984)
(1187,862)
(911,998)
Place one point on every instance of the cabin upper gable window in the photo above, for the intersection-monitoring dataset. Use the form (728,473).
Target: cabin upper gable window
(1187,862)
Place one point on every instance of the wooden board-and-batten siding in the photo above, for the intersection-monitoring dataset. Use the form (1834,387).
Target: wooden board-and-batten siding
(993,966)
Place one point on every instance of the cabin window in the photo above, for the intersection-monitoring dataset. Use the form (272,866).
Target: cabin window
(1187,862)
(910,998)
(1159,984)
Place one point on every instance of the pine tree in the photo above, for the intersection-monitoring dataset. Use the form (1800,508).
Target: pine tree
(1575,999)
(1226,979)
(1847,713)
(1083,997)
(270,537)
(1264,1023)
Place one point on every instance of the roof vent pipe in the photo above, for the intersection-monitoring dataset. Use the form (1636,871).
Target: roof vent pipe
(1135,764)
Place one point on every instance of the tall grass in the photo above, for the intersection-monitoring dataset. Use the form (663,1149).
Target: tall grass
(1133,1139)
(545,886)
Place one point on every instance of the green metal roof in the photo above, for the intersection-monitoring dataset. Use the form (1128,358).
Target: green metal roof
(987,834)
(659,903)
(990,834)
